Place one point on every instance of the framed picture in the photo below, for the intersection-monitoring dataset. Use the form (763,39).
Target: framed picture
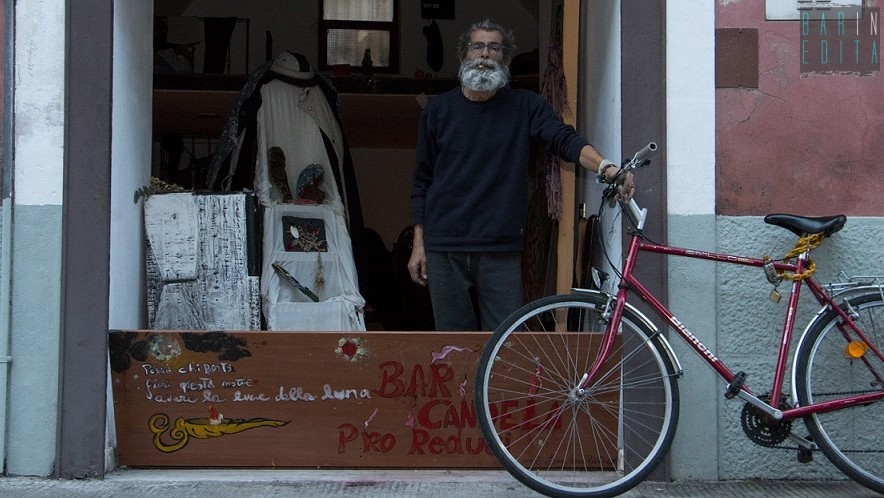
(304,234)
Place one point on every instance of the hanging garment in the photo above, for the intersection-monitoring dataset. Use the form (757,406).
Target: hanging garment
(294,119)
(435,53)
(218,31)
(315,287)
(240,158)
(233,165)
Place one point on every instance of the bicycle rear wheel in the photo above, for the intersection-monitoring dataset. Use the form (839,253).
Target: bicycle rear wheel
(852,438)
(560,442)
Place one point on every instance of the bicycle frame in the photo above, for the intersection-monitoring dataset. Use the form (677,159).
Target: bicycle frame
(628,282)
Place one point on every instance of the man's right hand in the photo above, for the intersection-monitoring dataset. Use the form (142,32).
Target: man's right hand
(417,264)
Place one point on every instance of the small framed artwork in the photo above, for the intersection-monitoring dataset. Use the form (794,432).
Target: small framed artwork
(304,234)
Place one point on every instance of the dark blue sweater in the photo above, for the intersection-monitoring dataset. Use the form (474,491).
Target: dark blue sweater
(470,186)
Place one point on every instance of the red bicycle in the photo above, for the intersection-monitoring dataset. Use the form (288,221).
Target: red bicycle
(577,394)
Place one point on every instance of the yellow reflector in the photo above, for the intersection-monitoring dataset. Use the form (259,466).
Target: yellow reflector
(855,349)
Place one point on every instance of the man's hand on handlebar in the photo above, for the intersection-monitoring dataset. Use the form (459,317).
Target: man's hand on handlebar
(627,188)
(622,186)
(620,182)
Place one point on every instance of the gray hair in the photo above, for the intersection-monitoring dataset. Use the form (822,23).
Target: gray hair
(509,40)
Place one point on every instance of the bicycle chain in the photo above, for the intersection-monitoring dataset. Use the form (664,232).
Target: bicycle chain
(796,448)
(837,394)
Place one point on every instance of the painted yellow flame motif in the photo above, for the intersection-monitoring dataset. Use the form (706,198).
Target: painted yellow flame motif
(200,428)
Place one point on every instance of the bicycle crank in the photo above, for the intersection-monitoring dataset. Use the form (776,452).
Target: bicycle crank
(763,429)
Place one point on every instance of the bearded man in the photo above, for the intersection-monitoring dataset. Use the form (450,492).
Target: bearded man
(470,187)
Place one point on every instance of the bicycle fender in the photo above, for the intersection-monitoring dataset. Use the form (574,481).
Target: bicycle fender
(635,313)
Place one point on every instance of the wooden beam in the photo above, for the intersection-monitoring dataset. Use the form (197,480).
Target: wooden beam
(570,54)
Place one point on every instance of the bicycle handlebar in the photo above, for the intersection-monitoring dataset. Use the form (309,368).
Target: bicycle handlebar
(639,159)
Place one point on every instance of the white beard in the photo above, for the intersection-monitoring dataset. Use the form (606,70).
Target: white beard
(483,75)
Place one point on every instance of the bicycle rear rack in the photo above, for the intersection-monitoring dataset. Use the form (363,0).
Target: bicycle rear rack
(848,284)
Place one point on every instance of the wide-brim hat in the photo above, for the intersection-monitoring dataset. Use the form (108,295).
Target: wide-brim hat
(292,65)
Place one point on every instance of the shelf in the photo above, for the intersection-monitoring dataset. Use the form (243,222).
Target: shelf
(384,117)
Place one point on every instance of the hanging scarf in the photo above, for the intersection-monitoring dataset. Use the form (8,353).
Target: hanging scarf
(554,89)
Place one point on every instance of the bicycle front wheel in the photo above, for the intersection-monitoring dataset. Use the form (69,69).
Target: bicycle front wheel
(555,438)
(831,363)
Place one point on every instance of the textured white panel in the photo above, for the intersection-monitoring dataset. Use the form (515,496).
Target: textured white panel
(197,263)
(171,226)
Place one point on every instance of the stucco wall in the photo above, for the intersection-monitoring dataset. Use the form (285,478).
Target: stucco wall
(36,236)
(690,182)
(750,326)
(798,143)
(806,145)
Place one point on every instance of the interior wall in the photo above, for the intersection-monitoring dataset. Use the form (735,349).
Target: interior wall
(384,174)
(384,177)
(293,26)
(512,14)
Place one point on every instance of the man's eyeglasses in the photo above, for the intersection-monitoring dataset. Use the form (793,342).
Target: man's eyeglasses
(494,48)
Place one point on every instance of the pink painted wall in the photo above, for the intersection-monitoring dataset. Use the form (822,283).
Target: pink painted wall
(811,145)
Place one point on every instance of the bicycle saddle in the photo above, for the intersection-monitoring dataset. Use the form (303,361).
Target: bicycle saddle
(801,225)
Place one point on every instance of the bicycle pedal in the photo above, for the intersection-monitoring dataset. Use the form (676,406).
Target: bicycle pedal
(805,455)
(734,387)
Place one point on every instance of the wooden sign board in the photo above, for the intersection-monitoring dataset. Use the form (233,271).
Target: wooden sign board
(301,399)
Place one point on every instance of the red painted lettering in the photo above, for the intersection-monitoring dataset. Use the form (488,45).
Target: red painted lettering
(374,441)
(554,415)
(418,380)
(419,438)
(451,419)
(391,385)
(346,433)
(423,415)
(436,446)
(432,419)
(441,375)
(467,414)
(478,448)
(453,445)
(422,443)
(529,424)
(509,415)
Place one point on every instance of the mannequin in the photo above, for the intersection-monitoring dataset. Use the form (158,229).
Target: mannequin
(240,160)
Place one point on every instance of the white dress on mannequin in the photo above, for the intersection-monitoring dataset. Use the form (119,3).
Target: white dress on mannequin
(310,242)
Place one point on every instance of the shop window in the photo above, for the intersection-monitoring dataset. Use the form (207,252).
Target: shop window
(359,34)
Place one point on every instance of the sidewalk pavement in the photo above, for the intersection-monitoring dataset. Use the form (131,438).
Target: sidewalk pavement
(240,483)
